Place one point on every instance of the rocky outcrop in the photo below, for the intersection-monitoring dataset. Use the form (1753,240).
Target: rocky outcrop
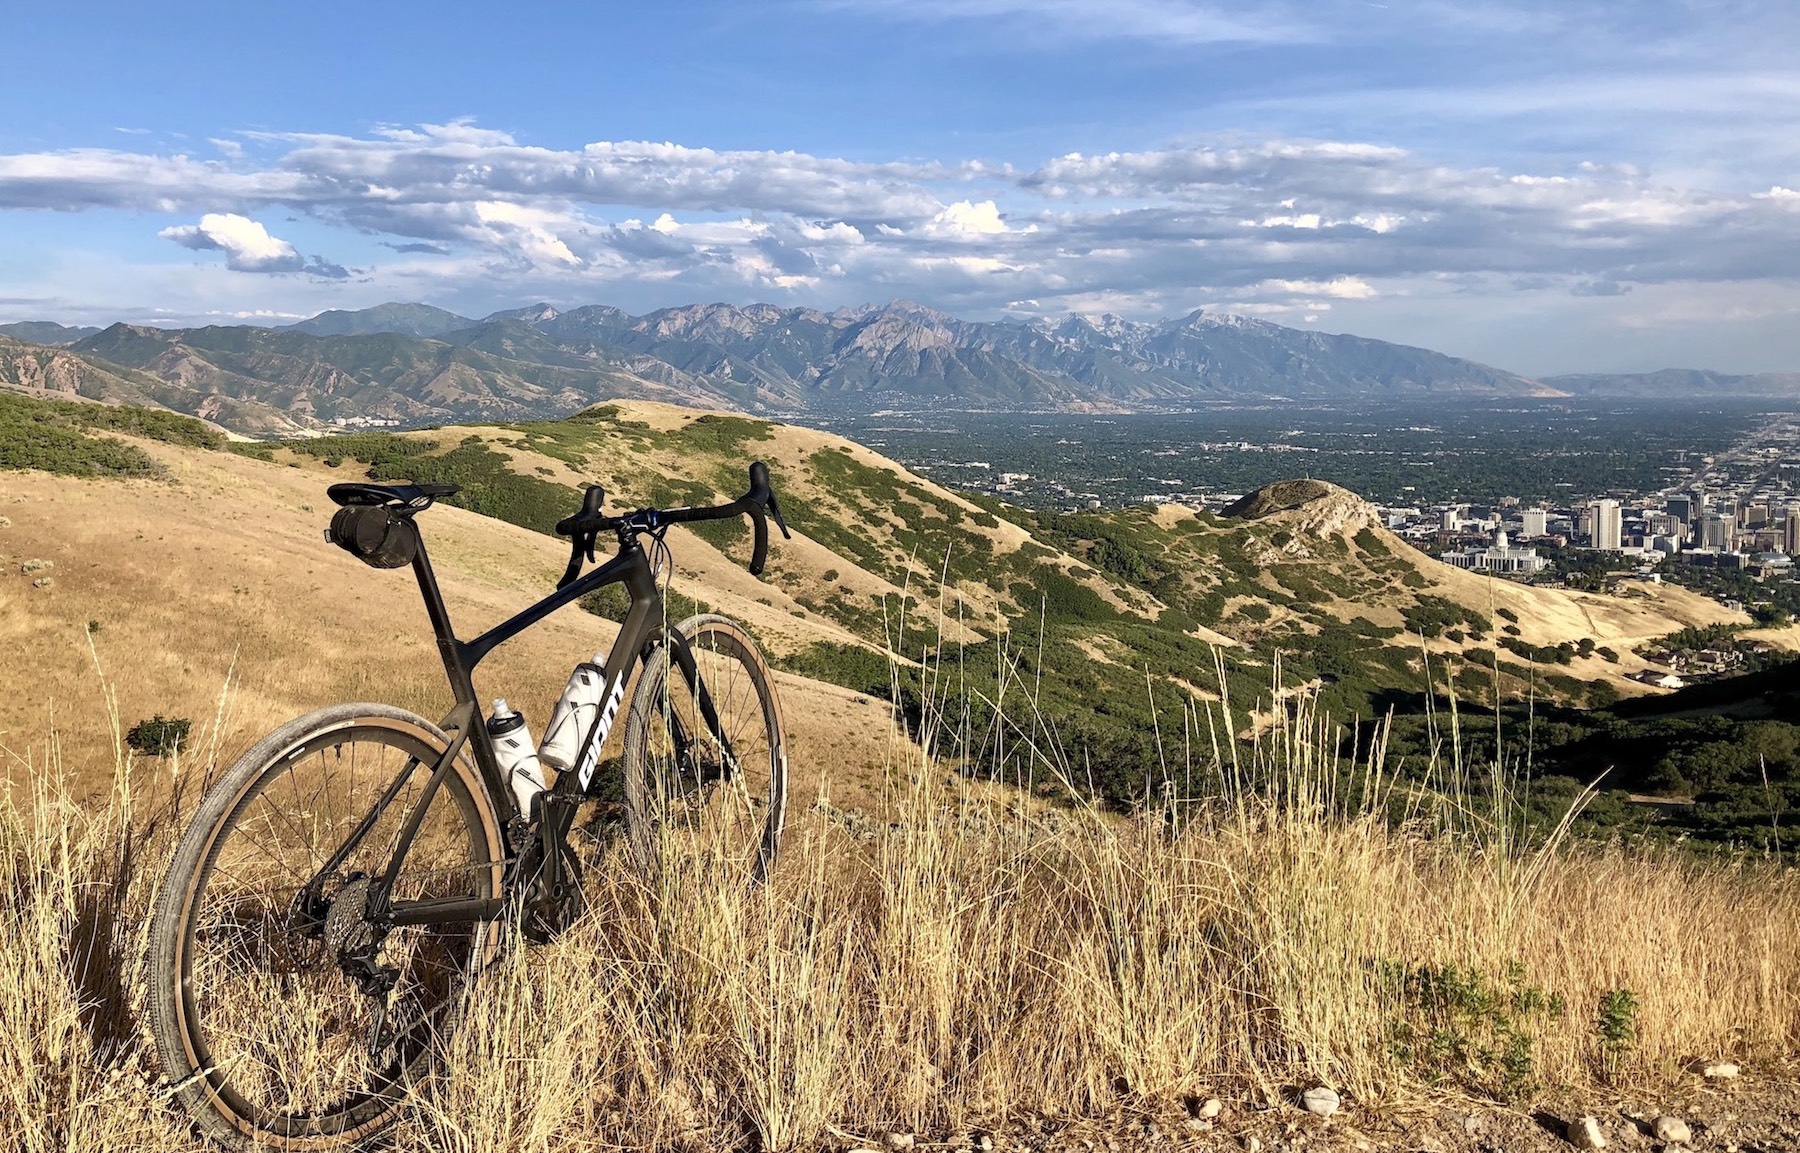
(1312,508)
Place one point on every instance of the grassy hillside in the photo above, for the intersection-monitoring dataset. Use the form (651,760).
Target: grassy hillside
(214,571)
(951,948)
(1102,635)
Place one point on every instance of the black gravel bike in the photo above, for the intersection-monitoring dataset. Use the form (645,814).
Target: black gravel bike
(342,884)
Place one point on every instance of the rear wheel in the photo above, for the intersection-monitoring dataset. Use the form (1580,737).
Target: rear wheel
(716,795)
(285,1017)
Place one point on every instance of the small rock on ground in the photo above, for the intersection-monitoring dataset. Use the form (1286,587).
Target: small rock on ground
(1724,1070)
(899,1140)
(1585,1133)
(1321,1101)
(1672,1130)
(1210,1108)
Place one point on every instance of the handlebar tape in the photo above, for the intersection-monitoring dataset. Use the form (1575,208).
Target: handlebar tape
(760,524)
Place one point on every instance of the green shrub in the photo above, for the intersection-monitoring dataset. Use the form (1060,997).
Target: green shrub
(721,435)
(48,436)
(1062,597)
(159,736)
(488,483)
(254,449)
(1616,1025)
(851,666)
(148,423)
(1461,1027)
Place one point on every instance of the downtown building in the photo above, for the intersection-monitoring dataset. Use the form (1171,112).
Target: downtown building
(1607,523)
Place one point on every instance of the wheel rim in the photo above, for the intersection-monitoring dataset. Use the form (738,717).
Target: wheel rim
(697,808)
(287,1042)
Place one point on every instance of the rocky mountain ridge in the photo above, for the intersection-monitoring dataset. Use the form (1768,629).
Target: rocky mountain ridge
(45,332)
(1678,382)
(413,365)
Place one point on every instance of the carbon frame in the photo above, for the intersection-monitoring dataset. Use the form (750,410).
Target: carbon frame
(644,626)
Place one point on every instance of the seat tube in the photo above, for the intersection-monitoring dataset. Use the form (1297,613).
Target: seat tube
(462,684)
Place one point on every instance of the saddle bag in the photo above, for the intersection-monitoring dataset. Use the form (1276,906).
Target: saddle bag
(374,535)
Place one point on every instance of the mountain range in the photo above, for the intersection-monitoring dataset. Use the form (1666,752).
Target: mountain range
(413,365)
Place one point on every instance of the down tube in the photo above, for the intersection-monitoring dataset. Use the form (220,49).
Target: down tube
(642,625)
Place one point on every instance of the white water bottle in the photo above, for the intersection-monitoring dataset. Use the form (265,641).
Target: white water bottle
(574,715)
(512,749)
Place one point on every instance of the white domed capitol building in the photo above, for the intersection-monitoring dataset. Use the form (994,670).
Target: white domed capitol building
(1499,557)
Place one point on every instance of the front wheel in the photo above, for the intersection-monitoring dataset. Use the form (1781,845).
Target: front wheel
(284,1016)
(709,788)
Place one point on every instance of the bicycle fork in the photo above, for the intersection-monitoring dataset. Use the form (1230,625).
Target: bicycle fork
(685,742)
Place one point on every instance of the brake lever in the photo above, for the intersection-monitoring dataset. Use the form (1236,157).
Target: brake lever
(574,569)
(775,511)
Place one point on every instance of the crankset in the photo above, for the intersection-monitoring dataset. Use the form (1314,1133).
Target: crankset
(547,906)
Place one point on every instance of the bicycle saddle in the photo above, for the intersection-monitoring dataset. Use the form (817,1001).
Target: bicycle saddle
(412,496)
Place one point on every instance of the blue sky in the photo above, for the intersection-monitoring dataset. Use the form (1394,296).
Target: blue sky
(1542,186)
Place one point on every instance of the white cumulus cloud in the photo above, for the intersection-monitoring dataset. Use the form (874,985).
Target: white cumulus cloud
(1343,288)
(1270,224)
(968,220)
(247,245)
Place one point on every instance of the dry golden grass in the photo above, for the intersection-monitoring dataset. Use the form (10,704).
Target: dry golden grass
(223,573)
(961,956)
